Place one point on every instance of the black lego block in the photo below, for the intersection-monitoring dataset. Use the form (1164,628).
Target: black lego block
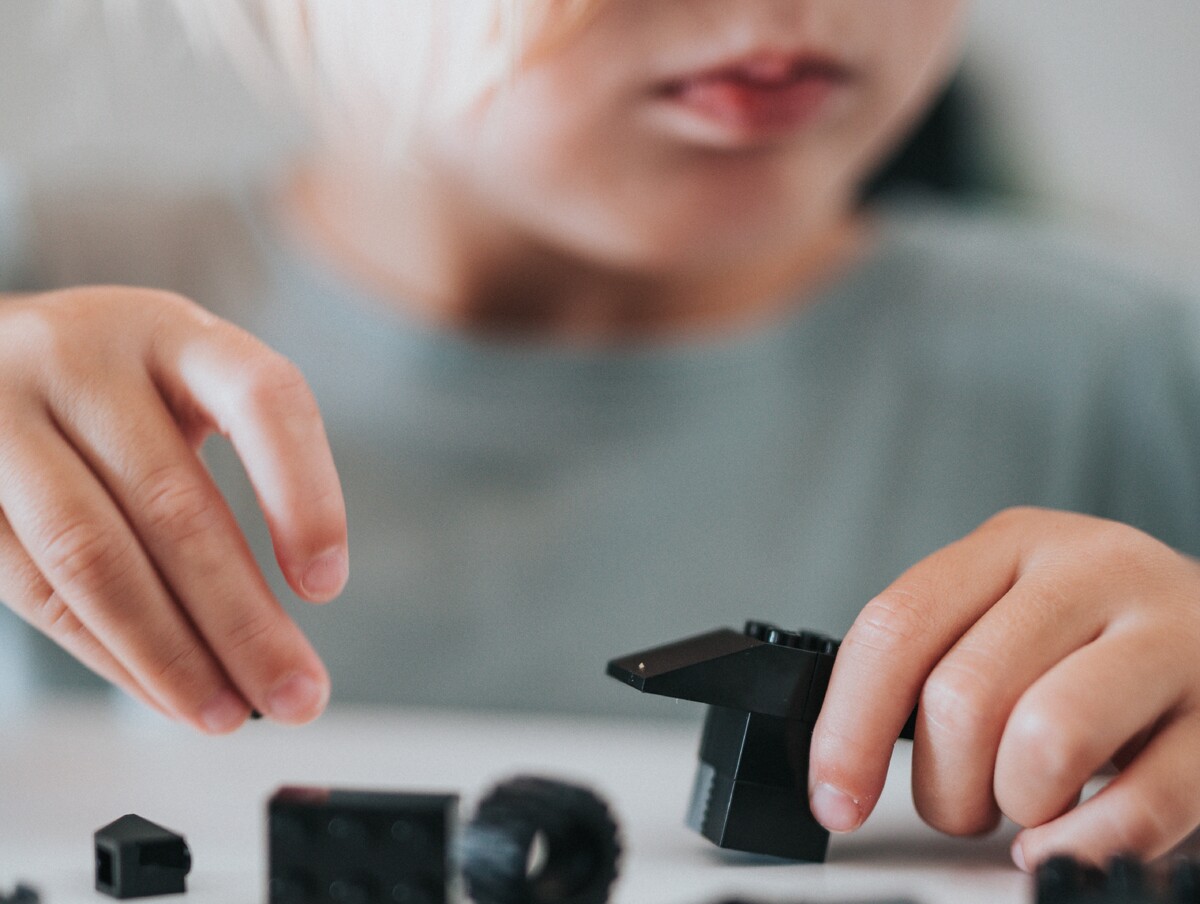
(856,901)
(1124,880)
(137,859)
(22,894)
(750,792)
(764,687)
(359,847)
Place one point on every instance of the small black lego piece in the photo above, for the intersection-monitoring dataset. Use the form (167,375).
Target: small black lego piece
(1126,880)
(764,687)
(533,841)
(538,841)
(136,859)
(858,901)
(22,894)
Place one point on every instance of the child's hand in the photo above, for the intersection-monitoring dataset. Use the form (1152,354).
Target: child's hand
(114,540)
(1042,647)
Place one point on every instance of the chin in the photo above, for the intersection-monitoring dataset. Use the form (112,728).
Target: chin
(706,218)
(673,253)
(689,239)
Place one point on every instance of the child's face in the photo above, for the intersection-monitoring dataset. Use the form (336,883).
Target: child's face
(676,132)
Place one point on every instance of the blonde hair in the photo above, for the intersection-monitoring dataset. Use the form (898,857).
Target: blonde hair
(382,65)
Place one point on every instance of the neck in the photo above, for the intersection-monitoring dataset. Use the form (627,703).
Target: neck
(428,252)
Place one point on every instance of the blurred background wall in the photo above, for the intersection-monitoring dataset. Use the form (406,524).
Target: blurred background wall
(1089,109)
(1096,106)
(113,86)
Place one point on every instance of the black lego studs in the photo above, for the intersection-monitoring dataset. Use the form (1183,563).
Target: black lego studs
(136,859)
(534,841)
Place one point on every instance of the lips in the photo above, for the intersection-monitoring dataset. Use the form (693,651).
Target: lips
(757,97)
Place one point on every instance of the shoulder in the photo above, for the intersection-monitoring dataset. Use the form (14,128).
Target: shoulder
(1091,364)
(1006,262)
(1006,286)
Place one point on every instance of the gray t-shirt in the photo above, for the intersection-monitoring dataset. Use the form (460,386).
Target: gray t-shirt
(520,513)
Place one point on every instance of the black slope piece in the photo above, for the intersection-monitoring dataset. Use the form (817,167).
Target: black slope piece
(764,687)
(137,859)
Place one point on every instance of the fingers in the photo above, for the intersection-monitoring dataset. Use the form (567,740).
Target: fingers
(1043,645)
(1145,811)
(1073,720)
(260,401)
(28,594)
(78,540)
(184,526)
(969,696)
(118,532)
(883,662)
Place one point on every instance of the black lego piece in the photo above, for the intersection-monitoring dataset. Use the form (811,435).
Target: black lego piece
(538,841)
(533,841)
(1125,880)
(358,847)
(22,894)
(137,859)
(764,687)
(858,901)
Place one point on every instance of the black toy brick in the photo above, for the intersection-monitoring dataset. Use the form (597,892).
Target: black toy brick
(1125,880)
(137,859)
(359,847)
(764,687)
(871,901)
(22,894)
(539,841)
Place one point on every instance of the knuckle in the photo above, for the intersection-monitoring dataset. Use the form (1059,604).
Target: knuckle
(834,753)
(955,705)
(1146,822)
(329,500)
(58,328)
(890,622)
(53,349)
(1123,550)
(29,331)
(180,666)
(275,384)
(1048,748)
(168,306)
(173,502)
(82,556)
(250,631)
(1011,517)
(54,617)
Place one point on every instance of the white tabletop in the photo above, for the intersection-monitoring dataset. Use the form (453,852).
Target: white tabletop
(69,768)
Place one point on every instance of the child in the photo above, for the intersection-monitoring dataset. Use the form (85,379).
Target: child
(614,353)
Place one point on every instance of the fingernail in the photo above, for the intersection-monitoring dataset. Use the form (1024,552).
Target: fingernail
(223,712)
(1018,857)
(834,808)
(296,699)
(326,574)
